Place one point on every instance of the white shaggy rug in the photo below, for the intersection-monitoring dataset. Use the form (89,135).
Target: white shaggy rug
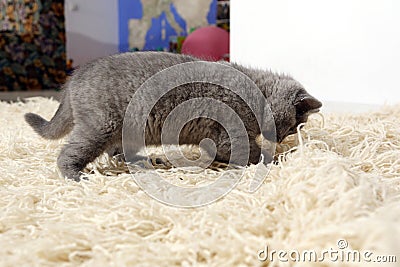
(338,191)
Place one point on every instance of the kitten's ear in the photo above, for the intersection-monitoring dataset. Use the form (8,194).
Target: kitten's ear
(306,103)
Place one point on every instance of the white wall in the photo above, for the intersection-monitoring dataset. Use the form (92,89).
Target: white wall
(91,29)
(341,50)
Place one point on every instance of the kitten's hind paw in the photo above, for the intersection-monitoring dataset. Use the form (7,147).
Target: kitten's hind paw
(77,177)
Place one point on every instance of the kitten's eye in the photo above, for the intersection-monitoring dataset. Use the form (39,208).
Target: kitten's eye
(292,130)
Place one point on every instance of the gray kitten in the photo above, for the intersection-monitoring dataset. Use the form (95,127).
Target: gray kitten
(96,97)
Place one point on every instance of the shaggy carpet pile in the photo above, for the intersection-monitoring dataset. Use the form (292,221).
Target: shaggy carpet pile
(334,189)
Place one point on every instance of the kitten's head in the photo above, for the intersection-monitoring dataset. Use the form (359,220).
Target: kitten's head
(290,104)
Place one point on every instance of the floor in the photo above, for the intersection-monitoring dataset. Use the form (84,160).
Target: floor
(20,95)
(338,190)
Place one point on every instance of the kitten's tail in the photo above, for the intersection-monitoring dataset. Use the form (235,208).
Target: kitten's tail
(60,125)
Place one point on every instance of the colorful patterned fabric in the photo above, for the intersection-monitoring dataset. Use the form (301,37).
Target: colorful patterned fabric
(32,44)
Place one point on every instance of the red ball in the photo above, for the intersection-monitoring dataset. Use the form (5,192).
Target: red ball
(209,43)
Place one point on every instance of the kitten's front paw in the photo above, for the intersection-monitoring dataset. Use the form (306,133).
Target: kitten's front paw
(161,162)
(77,177)
(145,164)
